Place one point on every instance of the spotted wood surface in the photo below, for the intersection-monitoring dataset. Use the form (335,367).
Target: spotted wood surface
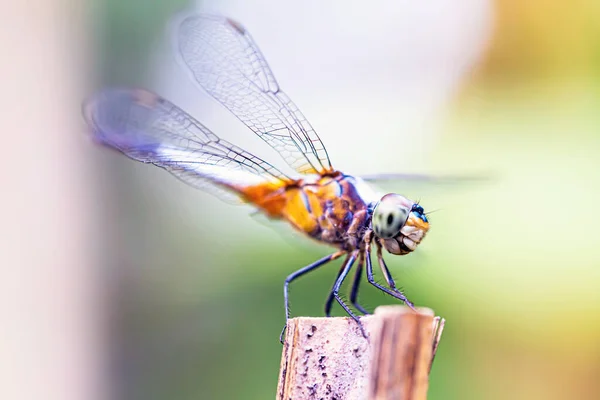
(328,358)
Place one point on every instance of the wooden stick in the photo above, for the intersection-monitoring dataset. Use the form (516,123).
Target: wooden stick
(328,358)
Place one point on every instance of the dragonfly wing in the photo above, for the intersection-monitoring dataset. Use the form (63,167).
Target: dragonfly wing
(422,185)
(224,60)
(150,129)
(425,179)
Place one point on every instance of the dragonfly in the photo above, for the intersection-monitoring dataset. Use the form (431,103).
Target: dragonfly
(337,209)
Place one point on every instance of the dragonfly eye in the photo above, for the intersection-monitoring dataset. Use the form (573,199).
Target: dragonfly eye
(390,215)
(417,208)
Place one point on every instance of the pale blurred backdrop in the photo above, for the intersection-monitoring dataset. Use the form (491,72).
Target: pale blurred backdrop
(178,295)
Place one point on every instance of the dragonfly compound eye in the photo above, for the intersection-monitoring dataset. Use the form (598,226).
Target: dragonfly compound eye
(390,215)
(418,208)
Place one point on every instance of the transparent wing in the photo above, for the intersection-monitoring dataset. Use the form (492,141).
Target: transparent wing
(150,129)
(426,179)
(225,61)
(422,186)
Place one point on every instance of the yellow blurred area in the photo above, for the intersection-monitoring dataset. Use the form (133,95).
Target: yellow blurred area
(543,40)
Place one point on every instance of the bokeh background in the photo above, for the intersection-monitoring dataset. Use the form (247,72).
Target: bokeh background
(153,290)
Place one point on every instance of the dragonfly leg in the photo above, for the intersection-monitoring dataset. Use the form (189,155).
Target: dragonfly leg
(336,289)
(394,293)
(386,272)
(356,284)
(331,297)
(298,274)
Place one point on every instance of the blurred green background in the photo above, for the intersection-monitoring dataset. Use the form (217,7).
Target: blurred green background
(513,264)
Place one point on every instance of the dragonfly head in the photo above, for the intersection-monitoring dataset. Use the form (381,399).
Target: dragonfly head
(400,223)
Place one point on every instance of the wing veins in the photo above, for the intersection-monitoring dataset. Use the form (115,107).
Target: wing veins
(150,129)
(233,70)
(271,97)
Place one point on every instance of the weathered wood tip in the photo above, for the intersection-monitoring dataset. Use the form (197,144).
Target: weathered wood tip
(329,358)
